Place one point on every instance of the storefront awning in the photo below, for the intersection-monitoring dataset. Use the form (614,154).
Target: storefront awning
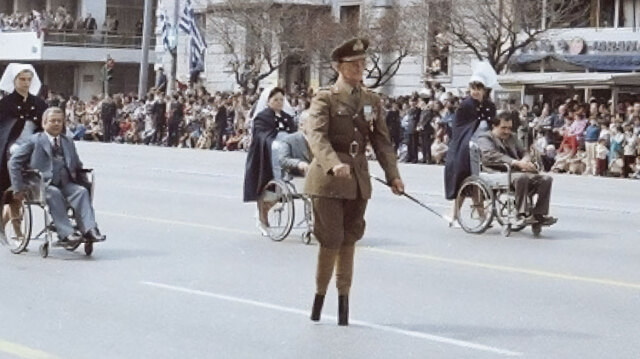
(618,63)
(570,79)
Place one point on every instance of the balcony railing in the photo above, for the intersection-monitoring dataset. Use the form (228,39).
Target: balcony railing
(102,40)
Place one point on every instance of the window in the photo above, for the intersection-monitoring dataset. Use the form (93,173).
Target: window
(629,13)
(607,13)
(350,15)
(128,13)
(600,13)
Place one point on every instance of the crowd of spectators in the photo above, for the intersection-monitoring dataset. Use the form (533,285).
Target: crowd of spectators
(573,136)
(60,20)
(192,118)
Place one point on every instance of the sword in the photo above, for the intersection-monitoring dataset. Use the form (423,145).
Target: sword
(420,203)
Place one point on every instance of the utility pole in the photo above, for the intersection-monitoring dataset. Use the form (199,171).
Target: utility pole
(146,41)
(174,51)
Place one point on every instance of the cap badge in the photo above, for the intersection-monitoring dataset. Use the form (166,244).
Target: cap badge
(358,46)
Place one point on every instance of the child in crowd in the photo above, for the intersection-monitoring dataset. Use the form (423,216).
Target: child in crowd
(602,153)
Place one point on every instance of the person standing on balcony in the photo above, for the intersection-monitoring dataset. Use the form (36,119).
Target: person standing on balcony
(90,24)
(20,116)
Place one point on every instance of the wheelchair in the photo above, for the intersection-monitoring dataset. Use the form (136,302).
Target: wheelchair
(279,197)
(35,196)
(485,196)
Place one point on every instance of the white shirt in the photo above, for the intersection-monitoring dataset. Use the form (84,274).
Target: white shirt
(601,151)
(631,144)
(51,139)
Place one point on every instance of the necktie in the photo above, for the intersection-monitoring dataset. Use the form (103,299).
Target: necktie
(56,146)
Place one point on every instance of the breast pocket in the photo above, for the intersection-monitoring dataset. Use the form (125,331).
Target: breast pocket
(341,124)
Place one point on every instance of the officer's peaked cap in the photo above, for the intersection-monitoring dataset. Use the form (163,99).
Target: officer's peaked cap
(352,50)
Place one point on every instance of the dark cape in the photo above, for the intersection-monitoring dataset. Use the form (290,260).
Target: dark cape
(258,170)
(467,119)
(14,111)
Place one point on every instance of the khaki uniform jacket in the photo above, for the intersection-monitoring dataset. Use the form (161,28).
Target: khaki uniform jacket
(334,115)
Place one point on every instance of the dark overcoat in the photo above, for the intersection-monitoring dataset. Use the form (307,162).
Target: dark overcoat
(466,121)
(14,111)
(258,170)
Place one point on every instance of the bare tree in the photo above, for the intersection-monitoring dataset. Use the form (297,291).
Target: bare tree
(391,42)
(494,30)
(259,36)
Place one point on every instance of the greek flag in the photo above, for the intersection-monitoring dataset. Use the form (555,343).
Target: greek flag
(198,44)
(166,28)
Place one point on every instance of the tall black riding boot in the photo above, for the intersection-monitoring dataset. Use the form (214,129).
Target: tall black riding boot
(343,310)
(318,301)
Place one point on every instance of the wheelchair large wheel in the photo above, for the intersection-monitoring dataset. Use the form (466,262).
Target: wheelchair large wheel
(475,205)
(501,211)
(19,234)
(277,200)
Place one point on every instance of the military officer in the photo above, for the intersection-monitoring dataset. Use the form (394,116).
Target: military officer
(342,120)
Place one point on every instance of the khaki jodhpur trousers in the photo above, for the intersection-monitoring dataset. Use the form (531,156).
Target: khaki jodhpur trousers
(338,224)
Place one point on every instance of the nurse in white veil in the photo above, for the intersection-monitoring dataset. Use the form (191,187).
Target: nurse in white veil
(272,119)
(20,116)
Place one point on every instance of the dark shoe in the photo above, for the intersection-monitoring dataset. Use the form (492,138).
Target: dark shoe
(545,220)
(318,301)
(343,310)
(524,220)
(93,235)
(69,240)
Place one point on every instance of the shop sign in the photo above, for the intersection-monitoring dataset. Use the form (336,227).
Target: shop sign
(578,46)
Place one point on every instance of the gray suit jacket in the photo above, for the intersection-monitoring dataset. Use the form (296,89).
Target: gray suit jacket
(36,153)
(296,149)
(495,151)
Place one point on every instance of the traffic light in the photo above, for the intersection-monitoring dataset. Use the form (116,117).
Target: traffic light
(109,74)
(108,69)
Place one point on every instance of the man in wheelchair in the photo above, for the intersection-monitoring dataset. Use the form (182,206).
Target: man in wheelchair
(55,156)
(294,154)
(499,147)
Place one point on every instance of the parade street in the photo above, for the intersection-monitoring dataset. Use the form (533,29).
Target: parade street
(184,273)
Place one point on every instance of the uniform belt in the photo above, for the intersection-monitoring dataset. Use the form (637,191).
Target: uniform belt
(346,148)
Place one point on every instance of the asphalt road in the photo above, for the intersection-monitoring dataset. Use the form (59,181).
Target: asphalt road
(185,274)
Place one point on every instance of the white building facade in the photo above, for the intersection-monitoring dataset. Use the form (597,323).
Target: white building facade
(597,57)
(71,62)
(218,75)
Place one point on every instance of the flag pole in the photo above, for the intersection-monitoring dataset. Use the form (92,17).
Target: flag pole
(146,41)
(171,85)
